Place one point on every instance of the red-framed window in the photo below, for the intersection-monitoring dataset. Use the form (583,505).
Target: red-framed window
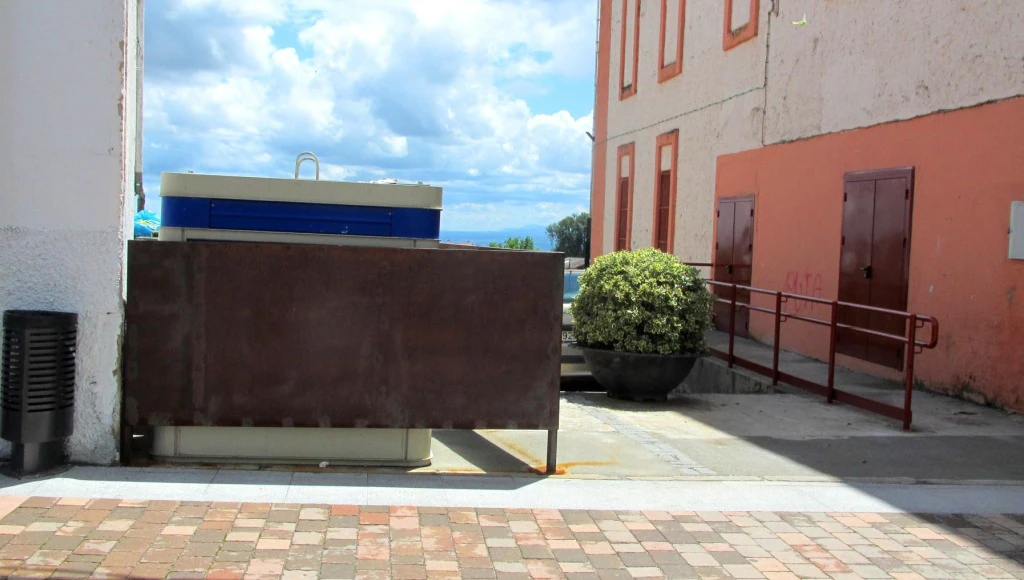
(670,45)
(625,161)
(666,156)
(629,53)
(740,23)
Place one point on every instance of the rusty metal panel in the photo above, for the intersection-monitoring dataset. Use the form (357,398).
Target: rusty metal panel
(235,334)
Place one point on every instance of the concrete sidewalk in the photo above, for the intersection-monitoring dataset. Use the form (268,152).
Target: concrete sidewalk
(76,538)
(534,492)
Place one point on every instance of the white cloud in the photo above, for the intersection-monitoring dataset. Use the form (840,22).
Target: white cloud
(395,88)
(471,216)
(334,172)
(255,10)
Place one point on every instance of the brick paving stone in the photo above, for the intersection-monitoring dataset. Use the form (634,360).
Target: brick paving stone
(753,552)
(604,561)
(192,564)
(505,553)
(664,558)
(533,552)
(646,572)
(730,558)
(701,560)
(636,559)
(576,555)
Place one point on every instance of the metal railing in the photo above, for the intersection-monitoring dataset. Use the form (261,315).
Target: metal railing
(912,346)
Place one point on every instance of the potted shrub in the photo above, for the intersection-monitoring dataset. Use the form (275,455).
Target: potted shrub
(640,319)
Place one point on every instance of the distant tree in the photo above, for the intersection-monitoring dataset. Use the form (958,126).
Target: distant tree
(515,243)
(571,235)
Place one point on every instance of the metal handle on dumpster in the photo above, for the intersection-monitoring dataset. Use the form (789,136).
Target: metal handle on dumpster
(307,156)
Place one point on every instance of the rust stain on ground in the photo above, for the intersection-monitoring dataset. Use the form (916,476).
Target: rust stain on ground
(564,468)
(538,466)
(542,470)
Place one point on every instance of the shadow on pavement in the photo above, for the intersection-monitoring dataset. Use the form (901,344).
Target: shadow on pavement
(779,436)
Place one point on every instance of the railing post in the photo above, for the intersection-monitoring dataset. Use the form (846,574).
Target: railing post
(832,352)
(909,371)
(732,324)
(778,334)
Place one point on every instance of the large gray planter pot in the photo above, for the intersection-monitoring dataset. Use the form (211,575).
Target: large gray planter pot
(638,377)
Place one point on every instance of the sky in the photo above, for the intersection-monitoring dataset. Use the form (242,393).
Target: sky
(489,99)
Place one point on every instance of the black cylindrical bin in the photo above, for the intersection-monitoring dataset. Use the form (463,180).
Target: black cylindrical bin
(37,387)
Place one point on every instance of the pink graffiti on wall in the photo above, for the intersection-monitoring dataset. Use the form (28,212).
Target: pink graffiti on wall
(805,283)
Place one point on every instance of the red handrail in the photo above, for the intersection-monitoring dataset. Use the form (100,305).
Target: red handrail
(829,391)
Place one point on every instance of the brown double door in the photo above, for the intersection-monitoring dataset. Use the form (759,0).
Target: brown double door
(734,259)
(874,263)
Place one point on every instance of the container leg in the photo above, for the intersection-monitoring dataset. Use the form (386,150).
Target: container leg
(127,443)
(552,465)
(33,458)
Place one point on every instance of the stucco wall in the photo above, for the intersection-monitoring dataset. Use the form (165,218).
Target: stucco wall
(959,266)
(857,64)
(713,118)
(67,151)
(854,64)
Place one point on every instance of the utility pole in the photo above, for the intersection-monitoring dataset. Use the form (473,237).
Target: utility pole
(140,193)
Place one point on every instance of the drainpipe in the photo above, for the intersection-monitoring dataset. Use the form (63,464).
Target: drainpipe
(594,145)
(140,193)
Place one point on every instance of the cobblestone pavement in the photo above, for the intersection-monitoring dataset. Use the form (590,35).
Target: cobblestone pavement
(74,538)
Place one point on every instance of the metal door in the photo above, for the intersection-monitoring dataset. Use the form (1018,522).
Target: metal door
(874,263)
(663,215)
(734,259)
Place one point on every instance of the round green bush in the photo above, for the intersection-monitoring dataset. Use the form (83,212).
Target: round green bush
(642,301)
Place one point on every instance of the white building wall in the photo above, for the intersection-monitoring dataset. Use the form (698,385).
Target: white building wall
(713,118)
(858,64)
(67,159)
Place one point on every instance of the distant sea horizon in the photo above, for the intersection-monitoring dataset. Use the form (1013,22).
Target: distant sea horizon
(485,237)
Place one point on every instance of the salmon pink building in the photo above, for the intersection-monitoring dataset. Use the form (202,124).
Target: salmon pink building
(867,152)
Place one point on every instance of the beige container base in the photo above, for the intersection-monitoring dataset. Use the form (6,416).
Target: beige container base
(170,234)
(294,445)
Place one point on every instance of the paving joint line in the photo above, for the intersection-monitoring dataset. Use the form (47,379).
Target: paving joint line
(663,450)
